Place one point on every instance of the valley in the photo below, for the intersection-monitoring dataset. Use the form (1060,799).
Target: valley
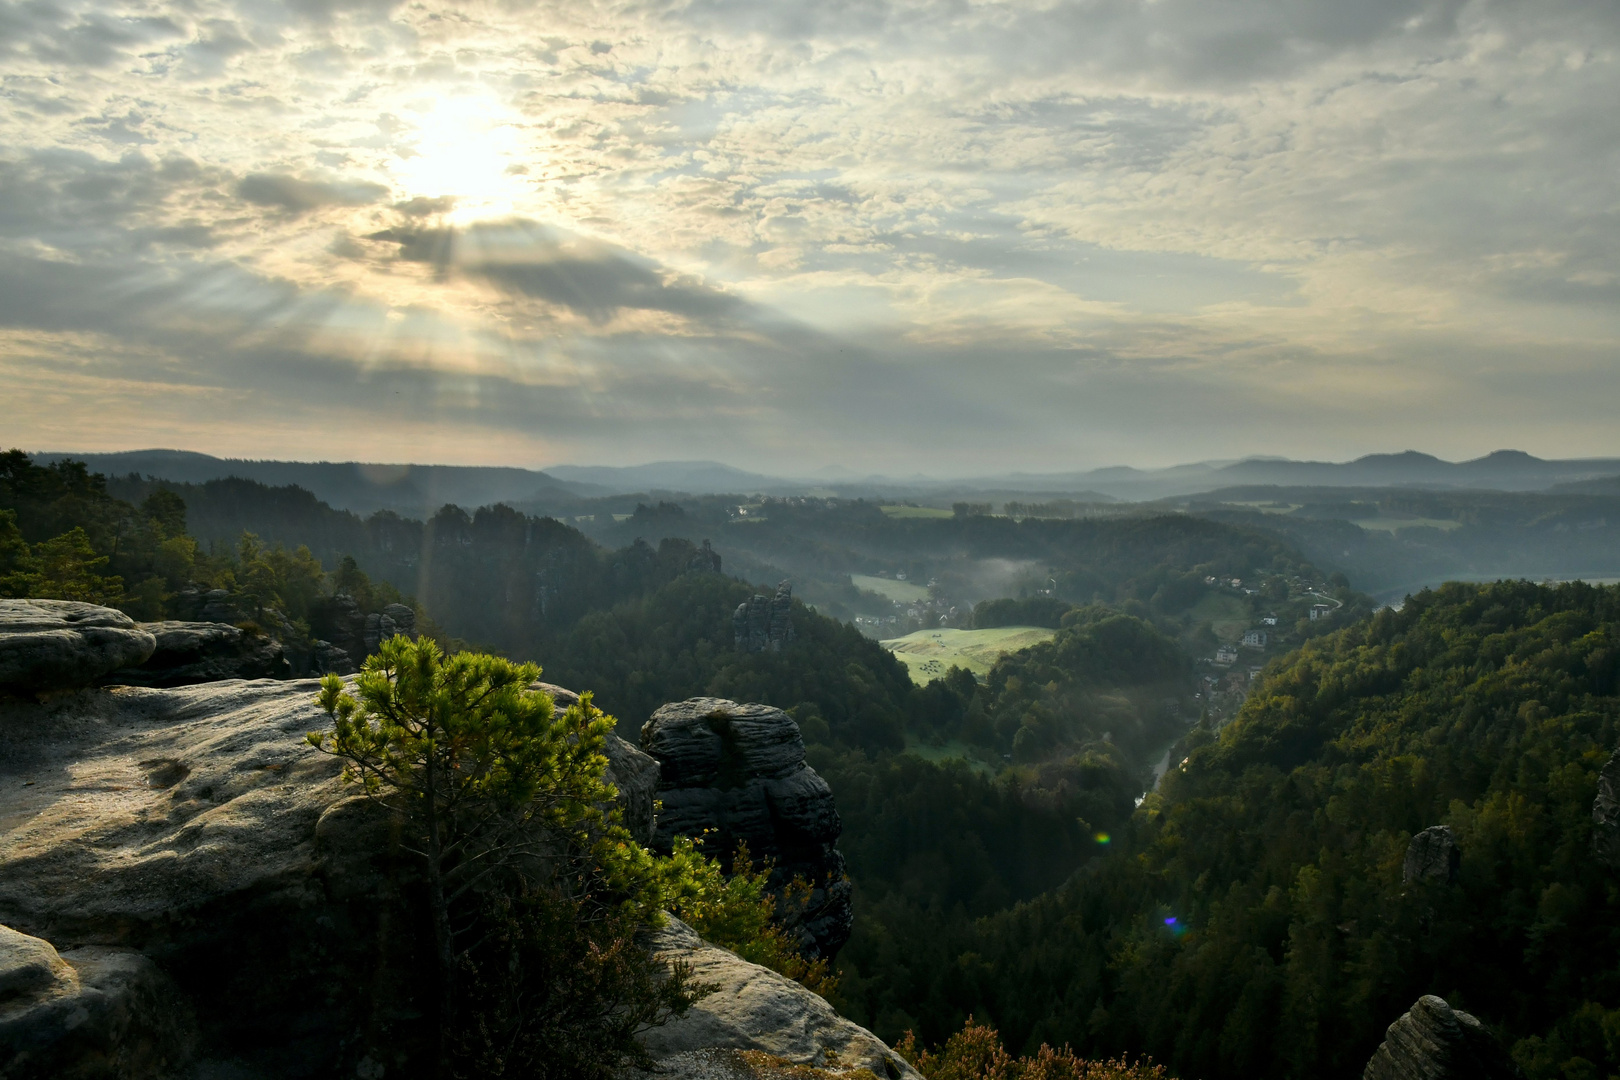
(1035,727)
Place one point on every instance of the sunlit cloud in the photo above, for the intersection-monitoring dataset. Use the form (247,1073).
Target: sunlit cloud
(915,234)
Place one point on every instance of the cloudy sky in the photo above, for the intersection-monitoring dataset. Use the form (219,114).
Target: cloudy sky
(946,236)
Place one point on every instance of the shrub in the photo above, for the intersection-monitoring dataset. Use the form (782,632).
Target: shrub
(976,1053)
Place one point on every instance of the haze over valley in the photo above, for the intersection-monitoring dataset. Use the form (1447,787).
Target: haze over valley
(676,539)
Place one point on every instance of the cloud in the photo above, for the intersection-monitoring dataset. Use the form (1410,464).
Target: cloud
(301,196)
(590,277)
(1135,229)
(54,34)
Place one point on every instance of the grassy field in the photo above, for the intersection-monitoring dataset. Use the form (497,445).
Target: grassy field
(916,511)
(928,654)
(1390,524)
(904,591)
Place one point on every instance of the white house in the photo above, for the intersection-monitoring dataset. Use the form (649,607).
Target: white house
(1254,639)
(1226,654)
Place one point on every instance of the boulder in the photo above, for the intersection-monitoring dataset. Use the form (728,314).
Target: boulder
(62,644)
(91,1013)
(755,1009)
(1432,855)
(737,773)
(1606,814)
(194,652)
(1433,1041)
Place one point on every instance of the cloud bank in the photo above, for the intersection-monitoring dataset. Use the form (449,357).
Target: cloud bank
(906,235)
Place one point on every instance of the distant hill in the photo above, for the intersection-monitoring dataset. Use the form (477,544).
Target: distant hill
(1503,470)
(364,488)
(421,489)
(690,477)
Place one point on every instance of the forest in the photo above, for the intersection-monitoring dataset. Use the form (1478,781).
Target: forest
(1012,857)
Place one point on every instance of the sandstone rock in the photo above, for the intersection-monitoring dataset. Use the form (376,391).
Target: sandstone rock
(753,1008)
(194,652)
(327,659)
(1606,814)
(764,623)
(340,622)
(705,560)
(1433,1041)
(1432,855)
(95,1012)
(391,621)
(738,772)
(181,822)
(60,644)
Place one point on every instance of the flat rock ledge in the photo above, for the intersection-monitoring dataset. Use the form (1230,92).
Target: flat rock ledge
(757,1020)
(143,831)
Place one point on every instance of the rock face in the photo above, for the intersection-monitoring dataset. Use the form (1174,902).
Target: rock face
(59,644)
(391,621)
(752,1008)
(194,652)
(1432,855)
(1433,1041)
(1606,814)
(95,1012)
(739,770)
(764,623)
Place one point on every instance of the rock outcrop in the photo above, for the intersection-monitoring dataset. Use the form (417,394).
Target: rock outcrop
(1433,1041)
(94,1012)
(739,772)
(187,884)
(171,824)
(195,652)
(764,623)
(59,644)
(1606,814)
(752,1008)
(1432,855)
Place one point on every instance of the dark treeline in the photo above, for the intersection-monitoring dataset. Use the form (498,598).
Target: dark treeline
(495,576)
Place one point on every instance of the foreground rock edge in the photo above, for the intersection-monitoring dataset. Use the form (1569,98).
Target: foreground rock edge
(123,807)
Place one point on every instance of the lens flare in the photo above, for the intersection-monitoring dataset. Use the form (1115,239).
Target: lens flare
(1102,838)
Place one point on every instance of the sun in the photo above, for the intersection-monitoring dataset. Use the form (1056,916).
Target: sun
(468,149)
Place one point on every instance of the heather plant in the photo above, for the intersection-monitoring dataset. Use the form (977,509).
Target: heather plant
(976,1053)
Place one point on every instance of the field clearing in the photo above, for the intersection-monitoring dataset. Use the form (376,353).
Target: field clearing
(916,512)
(904,592)
(929,654)
(1385,524)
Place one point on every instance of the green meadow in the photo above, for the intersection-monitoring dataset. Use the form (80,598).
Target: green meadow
(929,654)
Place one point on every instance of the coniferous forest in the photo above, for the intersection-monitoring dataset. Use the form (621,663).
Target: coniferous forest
(1015,857)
